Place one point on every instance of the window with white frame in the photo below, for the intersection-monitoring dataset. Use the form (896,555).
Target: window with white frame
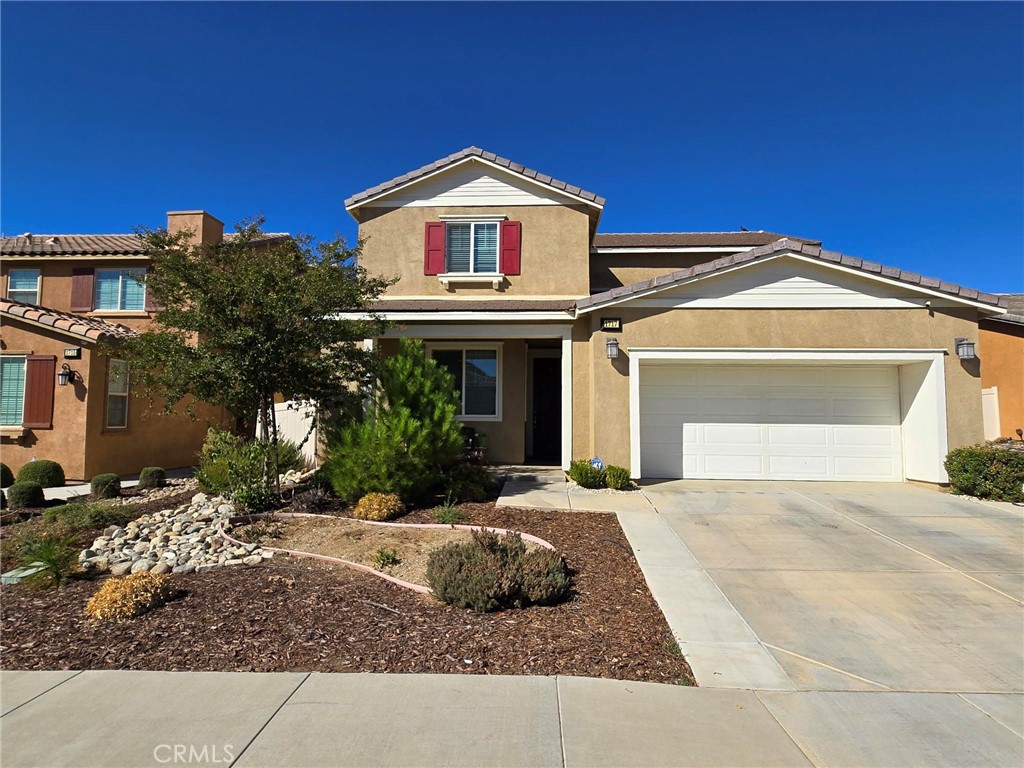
(117,394)
(120,289)
(472,246)
(477,372)
(12,390)
(23,285)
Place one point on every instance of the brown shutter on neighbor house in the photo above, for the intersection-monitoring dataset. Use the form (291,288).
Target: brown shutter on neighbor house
(511,237)
(40,379)
(433,248)
(151,305)
(81,290)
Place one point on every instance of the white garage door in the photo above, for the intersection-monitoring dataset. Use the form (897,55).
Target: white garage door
(788,422)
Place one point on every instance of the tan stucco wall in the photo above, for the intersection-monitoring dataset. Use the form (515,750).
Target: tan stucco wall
(611,270)
(554,251)
(815,329)
(1001,349)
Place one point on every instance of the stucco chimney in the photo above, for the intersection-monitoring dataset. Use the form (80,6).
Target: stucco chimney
(205,228)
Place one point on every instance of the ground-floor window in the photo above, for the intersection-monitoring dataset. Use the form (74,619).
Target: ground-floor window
(12,390)
(117,394)
(477,373)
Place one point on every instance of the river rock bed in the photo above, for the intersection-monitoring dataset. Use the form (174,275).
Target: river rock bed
(180,540)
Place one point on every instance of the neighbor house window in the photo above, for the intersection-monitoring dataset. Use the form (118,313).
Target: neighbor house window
(472,247)
(117,394)
(120,289)
(23,285)
(476,373)
(12,390)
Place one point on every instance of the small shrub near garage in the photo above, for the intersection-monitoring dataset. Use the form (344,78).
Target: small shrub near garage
(378,507)
(616,478)
(492,572)
(152,477)
(126,597)
(48,474)
(6,476)
(25,495)
(584,474)
(105,486)
(986,472)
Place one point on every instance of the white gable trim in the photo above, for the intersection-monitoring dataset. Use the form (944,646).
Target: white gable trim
(934,298)
(547,189)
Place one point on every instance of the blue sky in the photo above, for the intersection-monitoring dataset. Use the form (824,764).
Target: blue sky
(890,132)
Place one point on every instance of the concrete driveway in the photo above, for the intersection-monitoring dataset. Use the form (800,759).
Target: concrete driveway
(838,586)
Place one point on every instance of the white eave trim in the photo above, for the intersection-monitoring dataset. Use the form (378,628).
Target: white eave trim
(472,158)
(507,316)
(678,249)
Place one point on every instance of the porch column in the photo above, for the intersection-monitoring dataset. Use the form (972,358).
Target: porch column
(566,397)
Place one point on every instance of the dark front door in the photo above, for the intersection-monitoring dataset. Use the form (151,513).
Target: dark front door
(547,408)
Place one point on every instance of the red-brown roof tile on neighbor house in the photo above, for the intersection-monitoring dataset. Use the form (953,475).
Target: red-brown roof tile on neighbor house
(798,247)
(89,328)
(87,245)
(690,239)
(496,305)
(456,157)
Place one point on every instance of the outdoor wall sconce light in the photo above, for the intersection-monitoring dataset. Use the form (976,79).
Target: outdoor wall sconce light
(65,375)
(965,349)
(612,347)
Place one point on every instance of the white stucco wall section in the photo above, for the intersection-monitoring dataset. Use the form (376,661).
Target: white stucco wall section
(922,393)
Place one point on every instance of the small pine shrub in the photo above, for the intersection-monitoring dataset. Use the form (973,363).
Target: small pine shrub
(89,515)
(105,486)
(986,472)
(378,506)
(58,554)
(6,476)
(616,478)
(152,477)
(385,558)
(468,482)
(48,474)
(583,474)
(124,598)
(25,494)
(492,572)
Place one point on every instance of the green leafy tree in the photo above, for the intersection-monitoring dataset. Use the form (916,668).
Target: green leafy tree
(409,436)
(249,317)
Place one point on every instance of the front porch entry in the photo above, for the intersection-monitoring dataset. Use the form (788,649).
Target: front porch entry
(543,404)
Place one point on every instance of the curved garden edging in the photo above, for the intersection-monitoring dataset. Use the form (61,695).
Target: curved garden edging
(359,566)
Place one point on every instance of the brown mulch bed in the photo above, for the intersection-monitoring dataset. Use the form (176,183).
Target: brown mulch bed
(301,615)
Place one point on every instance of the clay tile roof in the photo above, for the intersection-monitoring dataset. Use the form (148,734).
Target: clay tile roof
(456,157)
(690,239)
(88,328)
(805,249)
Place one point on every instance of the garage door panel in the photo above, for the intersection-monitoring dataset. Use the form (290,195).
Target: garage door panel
(770,422)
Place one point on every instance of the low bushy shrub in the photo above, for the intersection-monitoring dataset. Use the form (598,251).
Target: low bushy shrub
(6,476)
(616,478)
(449,514)
(152,477)
(492,572)
(124,598)
(57,553)
(89,515)
(48,474)
(24,494)
(385,558)
(230,465)
(468,482)
(379,506)
(986,472)
(583,474)
(105,486)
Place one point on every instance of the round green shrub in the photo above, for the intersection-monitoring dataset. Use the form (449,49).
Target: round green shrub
(25,494)
(106,486)
(48,474)
(616,478)
(584,474)
(6,476)
(986,472)
(152,477)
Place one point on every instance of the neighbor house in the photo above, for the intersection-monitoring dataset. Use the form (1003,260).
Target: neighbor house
(63,398)
(1001,349)
(696,354)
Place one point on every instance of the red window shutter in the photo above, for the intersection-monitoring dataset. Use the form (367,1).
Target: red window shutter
(433,248)
(40,379)
(511,238)
(81,290)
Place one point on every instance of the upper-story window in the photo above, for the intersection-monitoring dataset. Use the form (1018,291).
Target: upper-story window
(23,285)
(120,289)
(472,247)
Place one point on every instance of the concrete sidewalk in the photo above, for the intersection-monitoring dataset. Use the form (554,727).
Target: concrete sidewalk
(110,719)
(128,481)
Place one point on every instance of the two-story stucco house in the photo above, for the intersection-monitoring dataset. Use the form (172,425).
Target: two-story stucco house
(697,354)
(62,398)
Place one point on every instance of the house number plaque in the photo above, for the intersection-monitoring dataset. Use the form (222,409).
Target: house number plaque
(611,323)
